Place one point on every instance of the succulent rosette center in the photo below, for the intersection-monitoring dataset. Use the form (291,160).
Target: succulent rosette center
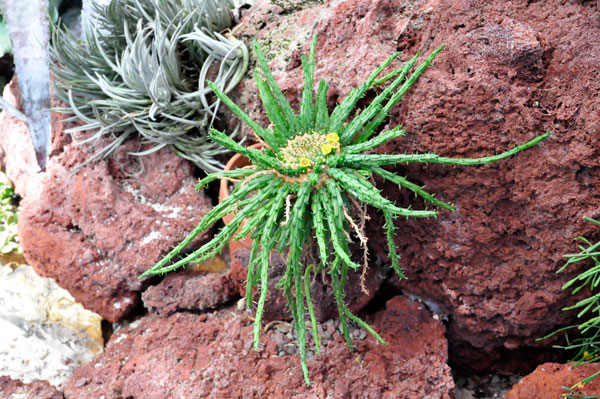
(307,150)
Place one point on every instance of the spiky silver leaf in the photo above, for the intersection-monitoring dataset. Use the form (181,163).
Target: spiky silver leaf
(142,69)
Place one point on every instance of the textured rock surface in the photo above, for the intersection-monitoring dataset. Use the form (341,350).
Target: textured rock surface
(509,71)
(508,74)
(546,382)
(198,356)
(14,389)
(45,333)
(192,290)
(94,230)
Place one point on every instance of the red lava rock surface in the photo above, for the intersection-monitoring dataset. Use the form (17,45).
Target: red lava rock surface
(14,389)
(509,71)
(198,356)
(190,291)
(546,382)
(96,229)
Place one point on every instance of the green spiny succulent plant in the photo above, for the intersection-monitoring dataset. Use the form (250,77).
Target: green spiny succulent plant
(309,182)
(143,70)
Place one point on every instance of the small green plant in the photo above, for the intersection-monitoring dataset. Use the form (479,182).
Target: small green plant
(586,344)
(312,181)
(142,70)
(5,46)
(9,242)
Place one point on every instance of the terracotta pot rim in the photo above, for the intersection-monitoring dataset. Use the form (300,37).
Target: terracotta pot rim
(235,162)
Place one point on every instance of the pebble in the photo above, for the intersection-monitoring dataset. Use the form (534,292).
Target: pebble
(241,304)
(283,327)
(279,338)
(331,329)
(286,339)
(290,349)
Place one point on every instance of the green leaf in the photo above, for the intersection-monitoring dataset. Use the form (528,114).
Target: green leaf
(493,158)
(366,192)
(5,45)
(322,113)
(402,182)
(283,103)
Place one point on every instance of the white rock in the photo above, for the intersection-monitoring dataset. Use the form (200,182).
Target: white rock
(44,333)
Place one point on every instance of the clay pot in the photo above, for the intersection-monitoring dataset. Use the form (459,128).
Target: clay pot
(236,161)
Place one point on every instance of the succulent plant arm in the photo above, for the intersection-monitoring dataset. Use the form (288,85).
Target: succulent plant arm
(307,181)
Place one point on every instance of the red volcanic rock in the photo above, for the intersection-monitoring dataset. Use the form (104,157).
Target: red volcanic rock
(14,389)
(547,380)
(509,71)
(198,356)
(189,291)
(97,228)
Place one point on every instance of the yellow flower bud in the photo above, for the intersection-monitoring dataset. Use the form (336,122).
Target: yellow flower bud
(333,137)
(326,148)
(304,162)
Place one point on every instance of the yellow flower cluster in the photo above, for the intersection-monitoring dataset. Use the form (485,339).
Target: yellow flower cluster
(333,143)
(308,149)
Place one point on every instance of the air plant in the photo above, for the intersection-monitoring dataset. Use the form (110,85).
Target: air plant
(142,69)
(312,182)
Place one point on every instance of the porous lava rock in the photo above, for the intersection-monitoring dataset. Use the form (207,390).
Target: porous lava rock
(38,389)
(548,379)
(509,71)
(209,355)
(96,228)
(190,292)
